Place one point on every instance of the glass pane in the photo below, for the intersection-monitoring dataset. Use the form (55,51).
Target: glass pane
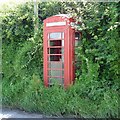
(56,58)
(54,65)
(77,35)
(62,42)
(56,73)
(76,42)
(55,50)
(55,43)
(56,81)
(62,35)
(62,51)
(56,35)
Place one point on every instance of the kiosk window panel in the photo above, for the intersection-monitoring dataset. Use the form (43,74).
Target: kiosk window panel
(62,35)
(58,81)
(55,43)
(56,73)
(56,65)
(55,50)
(56,35)
(56,58)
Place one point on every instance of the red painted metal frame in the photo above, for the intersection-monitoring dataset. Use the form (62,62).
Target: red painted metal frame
(69,42)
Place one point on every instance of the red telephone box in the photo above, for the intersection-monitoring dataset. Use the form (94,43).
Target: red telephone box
(58,50)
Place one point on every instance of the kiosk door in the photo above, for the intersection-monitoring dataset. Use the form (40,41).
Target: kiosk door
(55,51)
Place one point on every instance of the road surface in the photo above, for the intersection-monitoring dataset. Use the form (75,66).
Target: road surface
(16,113)
(9,113)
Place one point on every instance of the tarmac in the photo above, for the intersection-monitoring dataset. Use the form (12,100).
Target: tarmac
(11,114)
(15,113)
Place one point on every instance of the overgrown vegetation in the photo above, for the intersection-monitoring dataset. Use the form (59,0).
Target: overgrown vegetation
(96,90)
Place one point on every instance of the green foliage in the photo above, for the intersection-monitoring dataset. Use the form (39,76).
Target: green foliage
(95,93)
